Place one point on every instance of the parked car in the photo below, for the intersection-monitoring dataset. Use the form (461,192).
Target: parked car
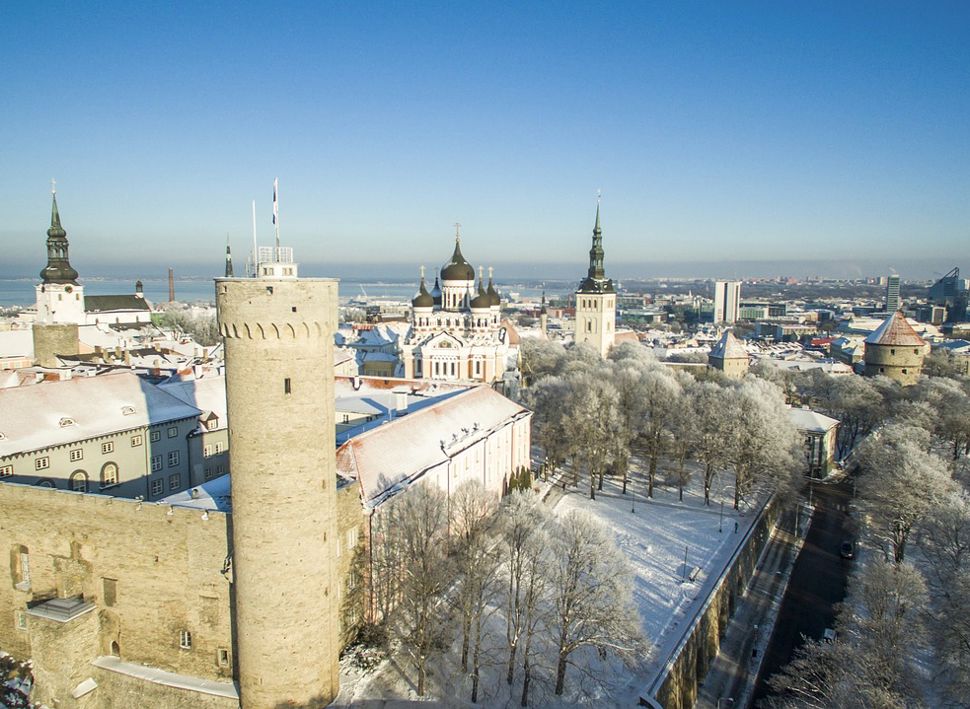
(847,550)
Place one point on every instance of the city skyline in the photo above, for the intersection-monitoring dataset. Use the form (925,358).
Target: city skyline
(754,135)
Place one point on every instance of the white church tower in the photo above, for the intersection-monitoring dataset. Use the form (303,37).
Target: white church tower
(60,298)
(596,299)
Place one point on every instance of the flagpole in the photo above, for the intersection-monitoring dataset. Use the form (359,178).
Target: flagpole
(276,213)
(255,247)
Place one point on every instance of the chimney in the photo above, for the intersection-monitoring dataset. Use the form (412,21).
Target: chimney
(171,285)
(401,402)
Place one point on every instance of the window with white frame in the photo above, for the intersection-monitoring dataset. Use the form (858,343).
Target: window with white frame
(173,458)
(6,471)
(156,463)
(21,620)
(206,451)
(155,436)
(212,424)
(137,440)
(107,447)
(76,455)
(157,487)
(208,473)
(42,463)
(174,481)
(352,539)
(173,431)
(219,448)
(185,639)
(109,475)
(79,481)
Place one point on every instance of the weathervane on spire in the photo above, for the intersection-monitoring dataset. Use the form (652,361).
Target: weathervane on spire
(422,273)
(458,232)
(53,186)
(599,196)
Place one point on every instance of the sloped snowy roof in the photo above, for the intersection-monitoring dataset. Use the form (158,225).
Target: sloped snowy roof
(57,413)
(895,330)
(808,420)
(207,393)
(16,343)
(728,347)
(402,449)
(216,494)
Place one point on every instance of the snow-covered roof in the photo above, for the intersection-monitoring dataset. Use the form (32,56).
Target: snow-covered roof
(207,393)
(16,343)
(895,330)
(808,420)
(57,413)
(728,347)
(212,495)
(401,450)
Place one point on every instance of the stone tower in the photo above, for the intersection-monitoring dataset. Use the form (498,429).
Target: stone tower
(543,316)
(895,350)
(60,298)
(278,334)
(729,356)
(596,299)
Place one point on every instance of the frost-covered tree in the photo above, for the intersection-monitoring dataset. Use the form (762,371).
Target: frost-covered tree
(857,402)
(541,358)
(901,482)
(548,399)
(659,392)
(594,423)
(944,538)
(953,631)
(592,595)
(711,429)
(420,530)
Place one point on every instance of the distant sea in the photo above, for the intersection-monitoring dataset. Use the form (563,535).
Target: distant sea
(20,291)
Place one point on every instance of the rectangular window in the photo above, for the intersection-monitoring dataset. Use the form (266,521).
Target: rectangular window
(156,463)
(218,448)
(77,454)
(185,639)
(107,447)
(173,458)
(212,425)
(137,441)
(222,657)
(208,473)
(155,436)
(42,463)
(174,481)
(109,591)
(24,575)
(286,386)
(173,431)
(158,486)
(352,539)
(21,620)
(6,471)
(206,451)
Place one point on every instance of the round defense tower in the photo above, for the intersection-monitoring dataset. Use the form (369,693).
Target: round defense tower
(278,338)
(903,363)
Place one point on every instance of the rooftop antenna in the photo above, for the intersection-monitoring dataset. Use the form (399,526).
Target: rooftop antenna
(255,248)
(53,186)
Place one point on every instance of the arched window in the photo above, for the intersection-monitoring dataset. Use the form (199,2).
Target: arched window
(79,481)
(46,482)
(109,475)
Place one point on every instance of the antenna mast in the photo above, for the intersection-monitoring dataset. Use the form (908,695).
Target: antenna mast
(255,247)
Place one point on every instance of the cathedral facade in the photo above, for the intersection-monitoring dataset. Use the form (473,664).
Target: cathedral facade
(456,331)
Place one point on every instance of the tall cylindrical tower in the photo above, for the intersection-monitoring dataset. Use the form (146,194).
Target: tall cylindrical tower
(278,337)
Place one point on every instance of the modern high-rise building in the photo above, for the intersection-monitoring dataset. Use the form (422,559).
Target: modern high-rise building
(951,292)
(596,299)
(892,293)
(727,301)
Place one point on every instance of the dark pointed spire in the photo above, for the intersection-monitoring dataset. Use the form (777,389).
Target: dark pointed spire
(58,269)
(596,280)
(423,299)
(492,293)
(228,259)
(542,307)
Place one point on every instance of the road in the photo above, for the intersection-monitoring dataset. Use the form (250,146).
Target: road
(817,582)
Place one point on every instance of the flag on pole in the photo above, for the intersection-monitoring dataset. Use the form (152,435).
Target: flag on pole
(276,204)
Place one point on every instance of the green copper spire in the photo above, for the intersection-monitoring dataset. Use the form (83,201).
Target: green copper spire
(58,269)
(596,280)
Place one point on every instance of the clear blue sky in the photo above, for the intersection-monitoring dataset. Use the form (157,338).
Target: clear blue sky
(717,131)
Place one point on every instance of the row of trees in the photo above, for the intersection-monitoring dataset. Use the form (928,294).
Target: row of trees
(914,508)
(600,415)
(517,595)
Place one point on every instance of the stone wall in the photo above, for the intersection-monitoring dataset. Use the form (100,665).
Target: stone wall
(151,570)
(678,688)
(52,340)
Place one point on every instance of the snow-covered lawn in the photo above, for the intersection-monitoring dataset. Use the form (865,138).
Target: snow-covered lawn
(654,538)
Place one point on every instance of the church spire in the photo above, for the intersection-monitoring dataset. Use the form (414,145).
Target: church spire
(58,269)
(596,280)
(228,259)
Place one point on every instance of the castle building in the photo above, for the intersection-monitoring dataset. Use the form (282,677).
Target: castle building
(895,350)
(729,356)
(596,300)
(456,332)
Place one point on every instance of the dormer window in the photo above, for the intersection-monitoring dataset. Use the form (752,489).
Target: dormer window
(127,410)
(212,424)
(66,422)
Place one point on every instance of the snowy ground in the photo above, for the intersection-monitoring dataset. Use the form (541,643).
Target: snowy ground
(655,536)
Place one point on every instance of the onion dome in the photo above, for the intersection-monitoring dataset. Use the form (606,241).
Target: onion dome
(458,269)
(58,269)
(492,293)
(482,300)
(423,299)
(436,292)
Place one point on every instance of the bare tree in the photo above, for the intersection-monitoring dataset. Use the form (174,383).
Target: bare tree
(592,591)
(421,531)
(900,483)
